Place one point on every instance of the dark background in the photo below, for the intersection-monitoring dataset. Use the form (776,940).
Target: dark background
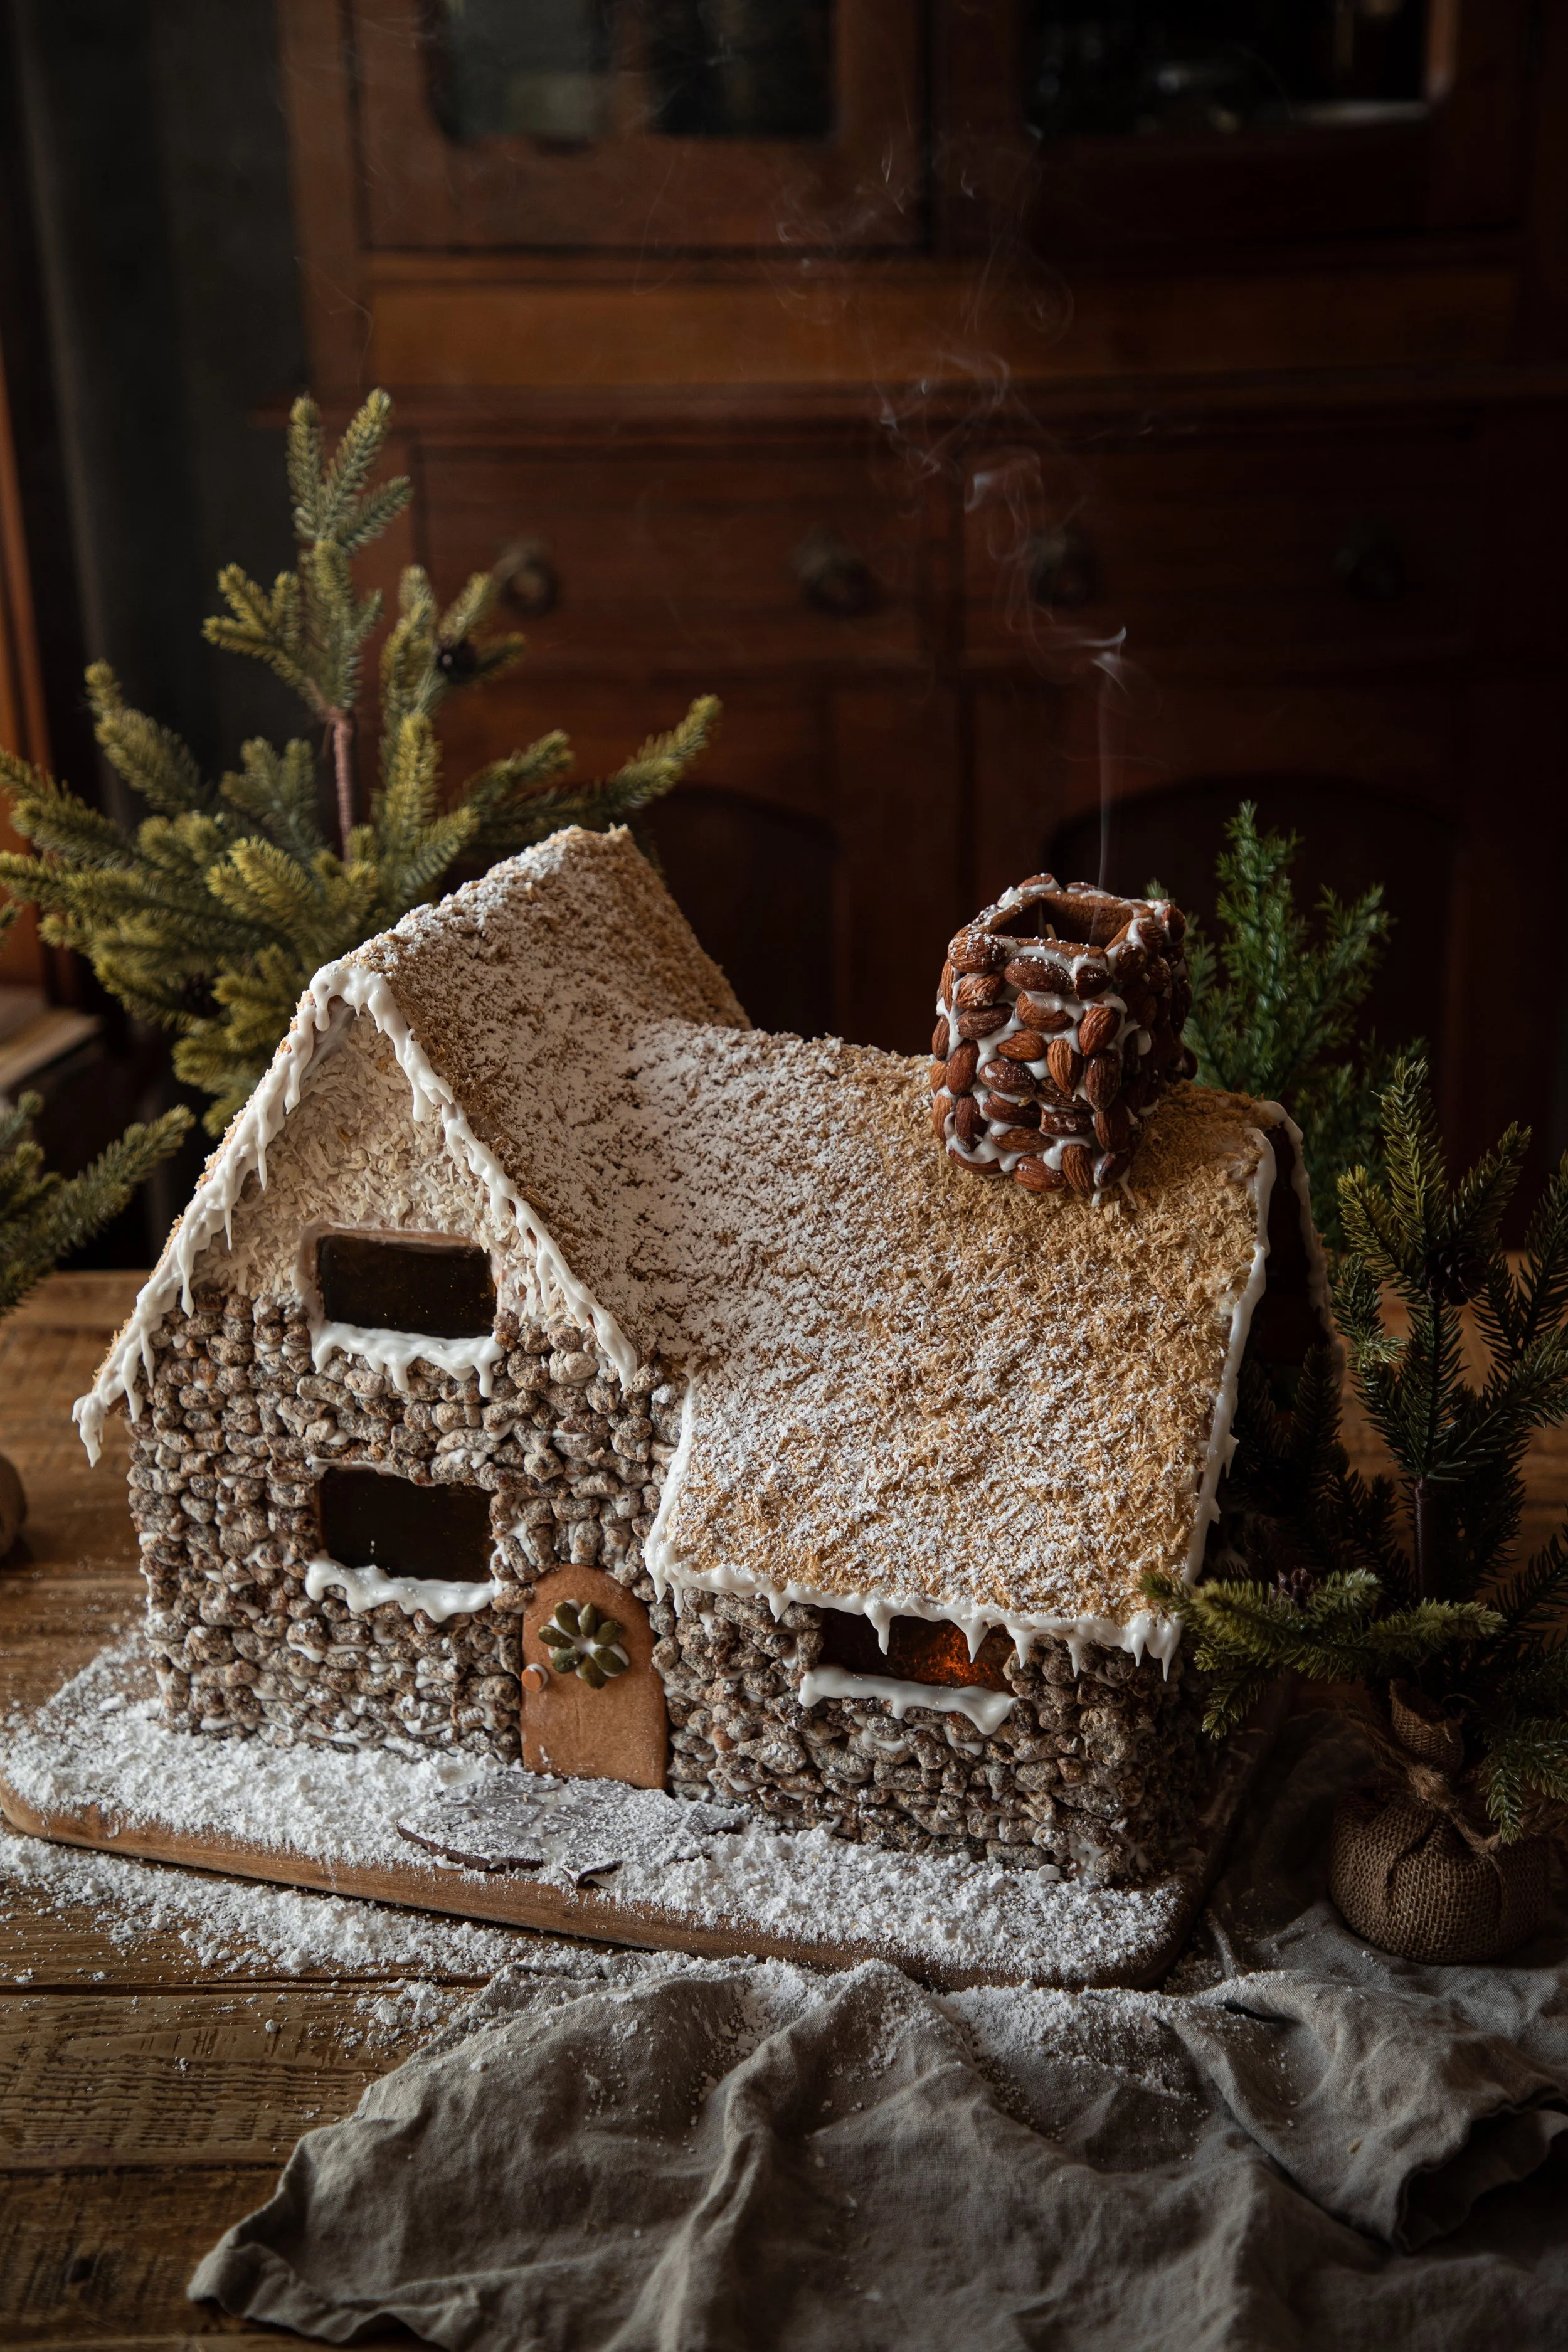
(1299,356)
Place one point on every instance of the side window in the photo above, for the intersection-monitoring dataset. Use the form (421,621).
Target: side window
(369,1520)
(439,1289)
(918,1651)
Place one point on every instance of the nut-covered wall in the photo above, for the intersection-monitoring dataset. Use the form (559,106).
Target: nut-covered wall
(1097,1771)
(224,1466)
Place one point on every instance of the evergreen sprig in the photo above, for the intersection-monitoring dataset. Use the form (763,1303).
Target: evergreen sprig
(44,1216)
(1274,1009)
(1340,1632)
(1413,1577)
(210,916)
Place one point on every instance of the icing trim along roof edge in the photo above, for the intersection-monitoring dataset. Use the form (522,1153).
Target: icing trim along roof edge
(1144,1634)
(345,986)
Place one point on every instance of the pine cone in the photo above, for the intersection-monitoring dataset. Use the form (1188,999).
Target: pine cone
(1296,1585)
(1455,1272)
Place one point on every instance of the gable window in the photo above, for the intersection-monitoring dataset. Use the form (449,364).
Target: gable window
(371,1520)
(441,1289)
(918,1651)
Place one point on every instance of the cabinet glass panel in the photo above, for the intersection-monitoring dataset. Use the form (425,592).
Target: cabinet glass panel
(577,71)
(1212,68)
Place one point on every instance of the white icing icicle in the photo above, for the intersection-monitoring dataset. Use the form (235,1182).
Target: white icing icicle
(394,1351)
(1222,1442)
(1318,1289)
(369,1588)
(338,992)
(985,1709)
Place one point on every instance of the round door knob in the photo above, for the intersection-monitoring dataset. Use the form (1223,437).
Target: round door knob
(1369,562)
(533,1678)
(833,578)
(529,580)
(1060,569)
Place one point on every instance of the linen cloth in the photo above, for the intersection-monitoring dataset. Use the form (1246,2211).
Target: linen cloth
(1297,2142)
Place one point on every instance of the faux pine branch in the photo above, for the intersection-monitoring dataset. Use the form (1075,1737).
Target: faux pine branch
(1416,1578)
(44,1216)
(1274,1009)
(211,913)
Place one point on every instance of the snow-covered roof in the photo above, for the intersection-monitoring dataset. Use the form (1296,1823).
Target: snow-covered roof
(907,1392)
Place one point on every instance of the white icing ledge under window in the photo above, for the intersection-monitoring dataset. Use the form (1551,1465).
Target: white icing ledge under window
(985,1709)
(369,1588)
(394,1351)
(338,992)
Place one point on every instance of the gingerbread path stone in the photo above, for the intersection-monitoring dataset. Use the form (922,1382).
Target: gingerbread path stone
(596,1726)
(1058,1029)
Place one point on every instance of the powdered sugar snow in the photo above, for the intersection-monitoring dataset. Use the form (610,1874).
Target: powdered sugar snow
(100,1742)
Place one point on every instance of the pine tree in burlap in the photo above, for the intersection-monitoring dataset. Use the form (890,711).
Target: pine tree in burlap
(1273,1012)
(211,916)
(1414,1582)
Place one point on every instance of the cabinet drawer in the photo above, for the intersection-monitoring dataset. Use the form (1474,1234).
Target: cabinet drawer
(686,562)
(1263,552)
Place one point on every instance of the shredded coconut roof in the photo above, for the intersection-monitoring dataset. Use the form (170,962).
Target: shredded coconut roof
(906,1383)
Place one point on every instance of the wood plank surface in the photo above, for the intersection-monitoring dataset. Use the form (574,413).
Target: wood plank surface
(149,2080)
(144,2106)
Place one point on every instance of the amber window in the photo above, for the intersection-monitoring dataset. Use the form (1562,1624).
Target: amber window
(917,1651)
(369,1520)
(438,1288)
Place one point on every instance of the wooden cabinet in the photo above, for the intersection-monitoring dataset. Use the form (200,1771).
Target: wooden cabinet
(1028,495)
(750,558)
(619,154)
(1286,546)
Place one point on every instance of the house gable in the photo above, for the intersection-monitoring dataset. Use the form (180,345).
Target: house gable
(352,1158)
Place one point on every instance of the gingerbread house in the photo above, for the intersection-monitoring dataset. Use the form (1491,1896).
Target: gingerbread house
(550,1365)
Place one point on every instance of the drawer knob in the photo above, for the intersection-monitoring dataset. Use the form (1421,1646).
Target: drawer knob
(833,578)
(1369,562)
(1060,568)
(529,580)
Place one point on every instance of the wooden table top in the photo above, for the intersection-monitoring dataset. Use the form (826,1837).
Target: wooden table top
(144,2106)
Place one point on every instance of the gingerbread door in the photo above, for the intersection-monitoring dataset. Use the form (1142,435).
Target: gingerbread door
(584,1714)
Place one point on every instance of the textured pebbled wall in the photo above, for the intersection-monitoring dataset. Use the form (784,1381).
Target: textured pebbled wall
(1097,1772)
(1100,1772)
(223,1480)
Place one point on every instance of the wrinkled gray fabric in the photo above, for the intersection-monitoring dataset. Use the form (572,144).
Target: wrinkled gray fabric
(1299,2142)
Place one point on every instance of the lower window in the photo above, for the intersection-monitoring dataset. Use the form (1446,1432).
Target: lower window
(372,1521)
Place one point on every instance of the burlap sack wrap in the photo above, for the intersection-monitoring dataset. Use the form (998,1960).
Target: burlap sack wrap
(1413,1865)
